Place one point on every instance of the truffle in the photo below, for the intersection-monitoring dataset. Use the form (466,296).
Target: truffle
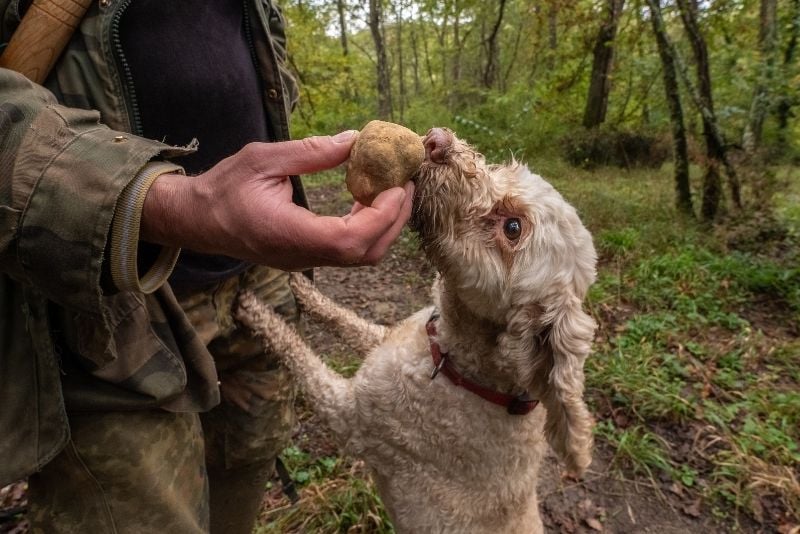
(385,155)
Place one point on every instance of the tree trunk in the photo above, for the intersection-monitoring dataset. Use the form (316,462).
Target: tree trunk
(426,49)
(342,26)
(715,146)
(415,53)
(382,62)
(441,37)
(552,26)
(460,35)
(758,110)
(512,62)
(492,50)
(600,82)
(672,91)
(785,103)
(400,68)
(456,64)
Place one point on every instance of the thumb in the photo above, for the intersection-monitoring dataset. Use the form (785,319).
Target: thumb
(304,156)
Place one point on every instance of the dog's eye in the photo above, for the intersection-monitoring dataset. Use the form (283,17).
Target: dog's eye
(512,228)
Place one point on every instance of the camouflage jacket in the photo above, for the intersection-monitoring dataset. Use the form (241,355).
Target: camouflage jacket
(64,162)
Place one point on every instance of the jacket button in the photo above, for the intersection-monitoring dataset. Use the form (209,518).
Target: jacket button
(120,139)
(272,94)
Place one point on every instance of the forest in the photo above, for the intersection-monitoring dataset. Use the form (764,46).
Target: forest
(672,126)
(631,84)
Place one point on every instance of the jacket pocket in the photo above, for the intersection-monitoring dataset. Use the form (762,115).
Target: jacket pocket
(136,352)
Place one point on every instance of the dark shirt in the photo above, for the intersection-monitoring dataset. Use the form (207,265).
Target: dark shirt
(194,77)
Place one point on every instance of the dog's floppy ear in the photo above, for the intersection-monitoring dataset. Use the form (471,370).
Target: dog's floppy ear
(569,424)
(547,346)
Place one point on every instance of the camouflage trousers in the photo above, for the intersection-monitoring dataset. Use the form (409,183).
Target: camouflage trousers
(155,471)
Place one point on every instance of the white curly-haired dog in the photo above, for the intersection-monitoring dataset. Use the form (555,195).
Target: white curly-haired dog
(444,408)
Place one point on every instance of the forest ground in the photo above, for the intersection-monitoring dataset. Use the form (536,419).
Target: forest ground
(694,379)
(660,464)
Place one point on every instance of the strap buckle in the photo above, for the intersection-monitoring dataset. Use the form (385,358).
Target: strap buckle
(439,366)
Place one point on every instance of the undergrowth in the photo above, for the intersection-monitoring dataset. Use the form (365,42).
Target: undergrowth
(698,342)
(695,376)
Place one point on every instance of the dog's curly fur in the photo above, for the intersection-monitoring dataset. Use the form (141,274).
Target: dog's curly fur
(444,459)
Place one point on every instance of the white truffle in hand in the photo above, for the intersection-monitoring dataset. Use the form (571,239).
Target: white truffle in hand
(385,155)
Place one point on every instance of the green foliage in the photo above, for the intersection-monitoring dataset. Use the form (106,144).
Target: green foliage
(539,94)
(332,499)
(707,288)
(304,469)
(640,449)
(618,243)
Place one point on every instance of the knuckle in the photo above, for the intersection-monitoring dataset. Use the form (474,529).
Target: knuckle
(251,154)
(250,150)
(312,143)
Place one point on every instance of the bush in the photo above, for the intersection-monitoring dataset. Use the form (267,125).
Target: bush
(618,148)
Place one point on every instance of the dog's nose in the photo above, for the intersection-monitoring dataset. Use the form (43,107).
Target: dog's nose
(437,142)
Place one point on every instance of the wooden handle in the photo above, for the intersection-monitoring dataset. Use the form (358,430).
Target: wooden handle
(42,36)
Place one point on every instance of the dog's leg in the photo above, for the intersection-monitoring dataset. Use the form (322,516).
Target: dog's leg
(330,394)
(359,333)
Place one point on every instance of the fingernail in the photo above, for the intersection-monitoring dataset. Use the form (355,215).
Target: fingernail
(345,136)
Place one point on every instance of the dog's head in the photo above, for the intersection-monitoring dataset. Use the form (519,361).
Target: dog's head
(517,255)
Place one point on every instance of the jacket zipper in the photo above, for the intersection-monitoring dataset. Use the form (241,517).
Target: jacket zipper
(125,71)
(248,35)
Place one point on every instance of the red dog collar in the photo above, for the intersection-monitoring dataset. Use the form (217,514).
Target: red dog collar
(519,405)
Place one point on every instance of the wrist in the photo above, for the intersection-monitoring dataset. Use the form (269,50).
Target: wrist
(167,209)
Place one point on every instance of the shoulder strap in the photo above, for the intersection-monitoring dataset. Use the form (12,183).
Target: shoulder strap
(42,35)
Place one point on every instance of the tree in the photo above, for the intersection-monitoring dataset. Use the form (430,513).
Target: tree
(398,7)
(492,53)
(767,37)
(384,84)
(715,146)
(600,82)
(340,8)
(786,102)
(672,92)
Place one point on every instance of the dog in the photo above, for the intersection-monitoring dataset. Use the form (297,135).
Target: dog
(452,408)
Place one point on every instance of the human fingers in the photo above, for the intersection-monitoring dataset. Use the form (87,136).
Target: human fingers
(377,226)
(302,156)
(381,246)
(346,240)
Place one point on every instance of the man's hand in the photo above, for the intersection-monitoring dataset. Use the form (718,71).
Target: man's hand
(243,208)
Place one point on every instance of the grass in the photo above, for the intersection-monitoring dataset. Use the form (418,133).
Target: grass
(696,371)
(702,342)
(336,495)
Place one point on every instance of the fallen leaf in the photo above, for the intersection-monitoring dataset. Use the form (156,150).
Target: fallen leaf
(585,506)
(693,509)
(621,420)
(594,524)
(630,513)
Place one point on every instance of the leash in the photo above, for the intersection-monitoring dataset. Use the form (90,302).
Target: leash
(287,483)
